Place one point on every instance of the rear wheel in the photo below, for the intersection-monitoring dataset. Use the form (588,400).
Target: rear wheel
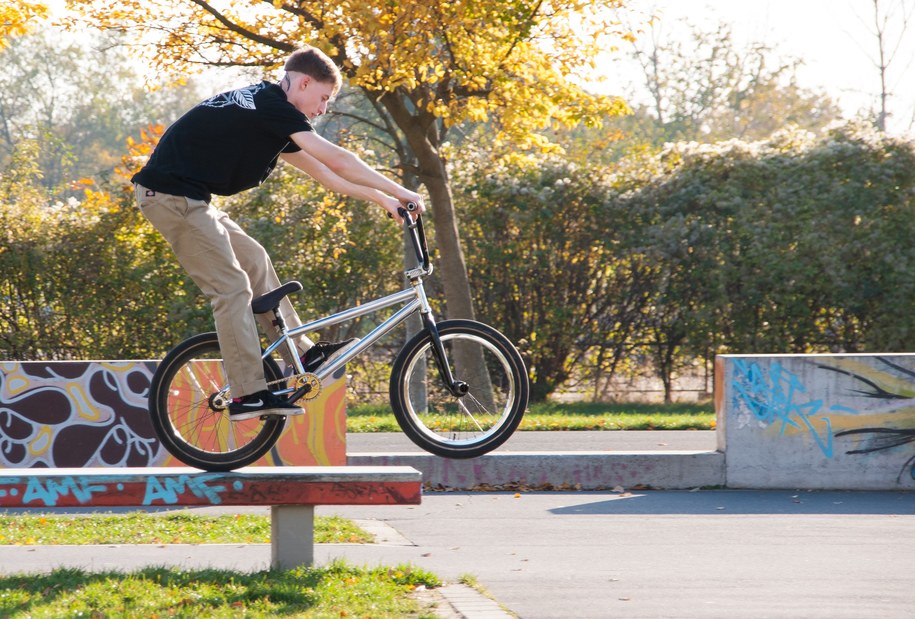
(463,426)
(188,405)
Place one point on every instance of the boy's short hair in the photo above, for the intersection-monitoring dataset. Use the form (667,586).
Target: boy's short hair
(315,63)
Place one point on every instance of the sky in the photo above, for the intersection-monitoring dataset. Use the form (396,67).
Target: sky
(834,38)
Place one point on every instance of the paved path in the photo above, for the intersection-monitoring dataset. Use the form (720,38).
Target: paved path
(674,554)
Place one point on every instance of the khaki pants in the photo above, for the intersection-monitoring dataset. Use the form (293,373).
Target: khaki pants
(231,269)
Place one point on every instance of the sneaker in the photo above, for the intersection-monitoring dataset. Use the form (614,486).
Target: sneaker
(324,352)
(261,404)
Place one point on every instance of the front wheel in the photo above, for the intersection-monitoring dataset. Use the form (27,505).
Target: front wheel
(464,426)
(188,406)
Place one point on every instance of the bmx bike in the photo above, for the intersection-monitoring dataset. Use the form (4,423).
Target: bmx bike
(458,388)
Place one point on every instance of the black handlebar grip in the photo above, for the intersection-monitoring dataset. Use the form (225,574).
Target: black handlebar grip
(410,207)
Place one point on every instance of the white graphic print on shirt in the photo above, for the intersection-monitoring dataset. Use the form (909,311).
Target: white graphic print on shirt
(243,97)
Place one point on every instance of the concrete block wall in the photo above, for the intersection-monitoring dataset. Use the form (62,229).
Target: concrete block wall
(79,414)
(817,421)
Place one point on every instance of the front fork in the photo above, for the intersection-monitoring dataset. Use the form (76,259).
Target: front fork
(458,388)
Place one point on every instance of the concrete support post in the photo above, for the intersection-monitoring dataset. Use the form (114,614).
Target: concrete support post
(292,530)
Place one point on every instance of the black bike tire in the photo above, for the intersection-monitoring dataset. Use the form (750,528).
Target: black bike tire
(399,391)
(187,453)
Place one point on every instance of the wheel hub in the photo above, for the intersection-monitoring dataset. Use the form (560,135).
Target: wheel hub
(219,401)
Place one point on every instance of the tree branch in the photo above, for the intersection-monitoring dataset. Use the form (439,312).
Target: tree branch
(339,56)
(248,34)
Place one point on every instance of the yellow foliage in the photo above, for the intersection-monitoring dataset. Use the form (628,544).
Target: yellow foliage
(138,152)
(19,17)
(515,63)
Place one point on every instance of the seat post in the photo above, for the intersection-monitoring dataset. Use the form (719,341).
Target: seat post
(278,323)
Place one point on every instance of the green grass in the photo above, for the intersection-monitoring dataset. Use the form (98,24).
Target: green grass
(143,528)
(338,590)
(574,416)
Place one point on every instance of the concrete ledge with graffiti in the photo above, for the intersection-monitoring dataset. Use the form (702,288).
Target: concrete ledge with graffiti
(291,492)
(817,421)
(79,414)
(182,487)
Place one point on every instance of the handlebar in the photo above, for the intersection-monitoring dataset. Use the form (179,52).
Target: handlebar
(413,226)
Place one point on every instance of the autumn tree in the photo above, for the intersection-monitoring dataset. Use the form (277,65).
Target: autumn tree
(426,67)
(18,18)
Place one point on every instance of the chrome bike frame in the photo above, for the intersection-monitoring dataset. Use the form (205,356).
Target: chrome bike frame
(412,299)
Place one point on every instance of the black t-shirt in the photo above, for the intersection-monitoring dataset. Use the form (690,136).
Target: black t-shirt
(225,144)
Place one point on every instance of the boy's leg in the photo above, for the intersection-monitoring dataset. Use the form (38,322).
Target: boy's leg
(256,262)
(203,247)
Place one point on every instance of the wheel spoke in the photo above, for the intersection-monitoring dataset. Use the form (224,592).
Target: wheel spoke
(467,413)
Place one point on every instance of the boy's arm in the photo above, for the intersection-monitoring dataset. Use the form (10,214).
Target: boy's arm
(347,166)
(333,181)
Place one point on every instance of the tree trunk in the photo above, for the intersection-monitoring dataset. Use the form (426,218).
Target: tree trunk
(447,238)
(432,173)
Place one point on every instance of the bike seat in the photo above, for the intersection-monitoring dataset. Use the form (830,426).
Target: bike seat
(271,300)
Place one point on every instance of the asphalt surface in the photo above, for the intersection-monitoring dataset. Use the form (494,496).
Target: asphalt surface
(675,554)
(669,554)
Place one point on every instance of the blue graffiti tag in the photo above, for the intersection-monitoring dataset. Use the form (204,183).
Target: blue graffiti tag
(776,396)
(165,490)
(49,491)
(169,490)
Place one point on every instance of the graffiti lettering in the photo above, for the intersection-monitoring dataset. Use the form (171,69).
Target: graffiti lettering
(49,491)
(776,396)
(169,490)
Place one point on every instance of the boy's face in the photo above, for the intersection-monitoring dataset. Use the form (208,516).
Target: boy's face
(314,97)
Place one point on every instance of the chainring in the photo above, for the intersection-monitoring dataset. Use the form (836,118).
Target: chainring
(312,381)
